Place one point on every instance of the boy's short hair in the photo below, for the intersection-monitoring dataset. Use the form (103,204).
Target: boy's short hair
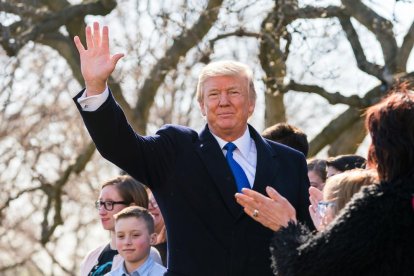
(137,212)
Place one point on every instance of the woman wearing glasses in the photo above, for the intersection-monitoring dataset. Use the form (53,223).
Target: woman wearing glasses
(116,194)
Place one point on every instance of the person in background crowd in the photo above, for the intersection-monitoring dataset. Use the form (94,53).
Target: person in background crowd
(161,243)
(134,230)
(317,173)
(288,135)
(341,163)
(116,194)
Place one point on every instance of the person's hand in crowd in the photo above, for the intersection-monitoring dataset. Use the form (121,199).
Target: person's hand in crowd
(96,62)
(315,195)
(273,212)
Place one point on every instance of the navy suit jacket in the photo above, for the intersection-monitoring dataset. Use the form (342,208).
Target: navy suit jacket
(208,232)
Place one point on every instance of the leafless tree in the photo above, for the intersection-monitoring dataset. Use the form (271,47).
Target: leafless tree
(49,173)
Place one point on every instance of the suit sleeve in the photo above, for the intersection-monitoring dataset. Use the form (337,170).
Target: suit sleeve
(146,158)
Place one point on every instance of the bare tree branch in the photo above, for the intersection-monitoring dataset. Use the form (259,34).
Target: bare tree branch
(54,192)
(405,50)
(345,120)
(239,33)
(332,98)
(379,26)
(24,32)
(362,62)
(310,12)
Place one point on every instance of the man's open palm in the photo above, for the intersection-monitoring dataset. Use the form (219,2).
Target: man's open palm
(96,62)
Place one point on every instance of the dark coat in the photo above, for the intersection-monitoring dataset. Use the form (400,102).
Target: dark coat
(373,235)
(208,232)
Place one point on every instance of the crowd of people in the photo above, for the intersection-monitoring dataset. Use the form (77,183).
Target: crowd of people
(231,201)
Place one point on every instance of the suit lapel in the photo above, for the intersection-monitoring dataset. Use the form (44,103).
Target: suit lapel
(213,158)
(266,167)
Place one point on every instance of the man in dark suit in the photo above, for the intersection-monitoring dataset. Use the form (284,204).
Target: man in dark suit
(194,177)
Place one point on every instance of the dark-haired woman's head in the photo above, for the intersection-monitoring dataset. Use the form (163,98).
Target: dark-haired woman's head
(118,193)
(391,126)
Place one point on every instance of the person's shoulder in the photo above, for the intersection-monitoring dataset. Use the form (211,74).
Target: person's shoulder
(117,272)
(177,130)
(91,258)
(157,270)
(94,253)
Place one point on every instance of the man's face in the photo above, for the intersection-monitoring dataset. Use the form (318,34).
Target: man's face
(227,105)
(133,240)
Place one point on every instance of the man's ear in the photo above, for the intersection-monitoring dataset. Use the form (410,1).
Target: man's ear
(153,238)
(203,110)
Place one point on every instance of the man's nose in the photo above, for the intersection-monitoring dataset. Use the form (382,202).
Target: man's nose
(224,100)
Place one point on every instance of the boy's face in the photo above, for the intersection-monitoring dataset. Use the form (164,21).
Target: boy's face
(133,240)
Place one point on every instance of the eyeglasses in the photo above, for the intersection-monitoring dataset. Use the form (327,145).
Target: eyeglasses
(108,205)
(323,207)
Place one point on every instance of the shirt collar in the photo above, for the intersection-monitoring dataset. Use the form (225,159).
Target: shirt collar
(243,143)
(142,269)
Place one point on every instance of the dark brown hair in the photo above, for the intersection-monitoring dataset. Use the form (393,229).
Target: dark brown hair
(318,166)
(288,135)
(131,190)
(391,126)
(346,162)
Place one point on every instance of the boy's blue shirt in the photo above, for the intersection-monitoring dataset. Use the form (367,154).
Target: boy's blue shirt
(148,268)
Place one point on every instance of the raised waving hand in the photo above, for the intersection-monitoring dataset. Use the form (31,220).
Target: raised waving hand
(97,64)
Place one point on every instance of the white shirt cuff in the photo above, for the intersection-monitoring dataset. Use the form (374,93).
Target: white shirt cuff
(92,103)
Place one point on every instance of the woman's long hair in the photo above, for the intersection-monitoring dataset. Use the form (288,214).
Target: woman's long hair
(391,126)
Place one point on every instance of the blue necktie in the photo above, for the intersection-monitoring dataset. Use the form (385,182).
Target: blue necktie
(238,172)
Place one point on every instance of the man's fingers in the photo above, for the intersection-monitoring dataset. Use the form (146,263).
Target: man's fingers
(96,34)
(105,37)
(78,44)
(88,34)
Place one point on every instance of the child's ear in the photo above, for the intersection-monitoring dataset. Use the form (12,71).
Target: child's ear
(153,238)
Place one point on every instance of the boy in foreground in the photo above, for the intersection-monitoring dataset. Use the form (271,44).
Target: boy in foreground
(134,230)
